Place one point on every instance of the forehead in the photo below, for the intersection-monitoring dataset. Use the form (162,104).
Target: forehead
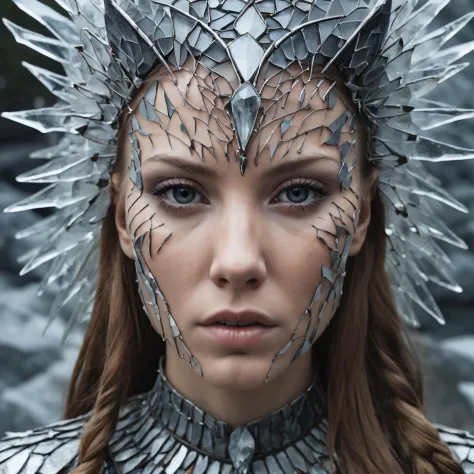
(190,115)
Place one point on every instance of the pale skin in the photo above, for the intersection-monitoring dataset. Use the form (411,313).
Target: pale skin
(234,241)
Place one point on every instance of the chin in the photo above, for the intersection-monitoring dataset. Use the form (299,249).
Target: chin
(238,371)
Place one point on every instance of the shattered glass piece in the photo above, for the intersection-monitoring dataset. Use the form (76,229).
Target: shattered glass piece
(284,126)
(245,106)
(427,45)
(283,17)
(183,26)
(241,448)
(430,118)
(58,85)
(251,22)
(266,6)
(62,27)
(243,164)
(235,6)
(204,41)
(49,47)
(222,22)
(246,54)
(169,106)
(216,52)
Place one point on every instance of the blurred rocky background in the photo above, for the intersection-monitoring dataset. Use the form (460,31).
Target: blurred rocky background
(35,369)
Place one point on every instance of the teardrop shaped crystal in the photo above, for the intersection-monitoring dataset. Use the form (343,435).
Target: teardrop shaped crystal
(245,106)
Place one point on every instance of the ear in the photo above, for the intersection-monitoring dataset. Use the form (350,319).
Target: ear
(369,188)
(124,236)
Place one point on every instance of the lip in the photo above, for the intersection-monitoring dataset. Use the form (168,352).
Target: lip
(235,336)
(238,317)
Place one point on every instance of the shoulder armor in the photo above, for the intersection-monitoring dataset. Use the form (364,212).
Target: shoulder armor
(51,449)
(461,444)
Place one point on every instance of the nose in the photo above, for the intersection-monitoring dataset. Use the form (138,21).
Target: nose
(238,262)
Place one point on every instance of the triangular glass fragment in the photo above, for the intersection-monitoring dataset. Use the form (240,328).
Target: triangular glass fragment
(247,54)
(245,106)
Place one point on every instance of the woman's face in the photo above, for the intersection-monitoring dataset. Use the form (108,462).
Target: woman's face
(205,238)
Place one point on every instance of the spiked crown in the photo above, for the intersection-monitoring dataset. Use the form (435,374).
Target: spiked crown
(384,50)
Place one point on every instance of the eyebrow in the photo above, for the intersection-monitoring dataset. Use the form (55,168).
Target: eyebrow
(275,170)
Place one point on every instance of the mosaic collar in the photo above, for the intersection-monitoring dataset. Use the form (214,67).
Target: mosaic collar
(293,438)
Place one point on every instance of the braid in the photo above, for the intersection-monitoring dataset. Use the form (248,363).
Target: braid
(115,380)
(418,440)
(393,364)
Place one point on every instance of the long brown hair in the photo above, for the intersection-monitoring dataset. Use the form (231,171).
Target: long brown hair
(368,367)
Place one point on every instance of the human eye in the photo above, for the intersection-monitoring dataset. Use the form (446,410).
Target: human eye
(172,190)
(305,187)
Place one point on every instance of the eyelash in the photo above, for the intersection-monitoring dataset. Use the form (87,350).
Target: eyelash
(319,188)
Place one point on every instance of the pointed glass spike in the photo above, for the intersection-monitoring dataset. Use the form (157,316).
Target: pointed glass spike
(67,145)
(49,119)
(447,56)
(61,27)
(58,85)
(56,246)
(56,195)
(246,54)
(423,17)
(70,168)
(251,22)
(52,48)
(429,44)
(243,164)
(245,106)
(428,119)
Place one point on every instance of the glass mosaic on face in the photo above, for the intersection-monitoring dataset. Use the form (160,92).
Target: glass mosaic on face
(293,124)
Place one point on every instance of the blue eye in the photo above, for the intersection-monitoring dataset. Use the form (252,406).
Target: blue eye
(184,193)
(178,191)
(300,189)
(297,191)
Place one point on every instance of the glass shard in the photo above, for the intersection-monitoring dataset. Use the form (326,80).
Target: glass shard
(246,54)
(245,106)
(241,448)
(251,22)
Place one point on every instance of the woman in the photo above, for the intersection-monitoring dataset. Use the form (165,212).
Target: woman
(283,142)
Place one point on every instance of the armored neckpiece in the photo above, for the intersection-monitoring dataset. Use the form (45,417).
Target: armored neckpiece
(171,431)
(163,432)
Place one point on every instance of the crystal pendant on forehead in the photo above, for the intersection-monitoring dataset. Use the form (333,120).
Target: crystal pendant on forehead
(245,106)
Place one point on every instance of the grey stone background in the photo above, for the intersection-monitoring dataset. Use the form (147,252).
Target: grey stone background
(34,370)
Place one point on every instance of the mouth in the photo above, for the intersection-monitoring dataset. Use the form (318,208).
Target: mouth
(232,319)
(239,324)
(237,334)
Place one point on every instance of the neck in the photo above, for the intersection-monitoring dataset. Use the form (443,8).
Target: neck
(232,404)
(220,439)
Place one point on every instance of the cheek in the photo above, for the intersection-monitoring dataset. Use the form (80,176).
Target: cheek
(300,262)
(173,249)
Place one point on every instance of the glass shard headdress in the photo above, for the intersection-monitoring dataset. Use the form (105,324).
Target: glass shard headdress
(385,54)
